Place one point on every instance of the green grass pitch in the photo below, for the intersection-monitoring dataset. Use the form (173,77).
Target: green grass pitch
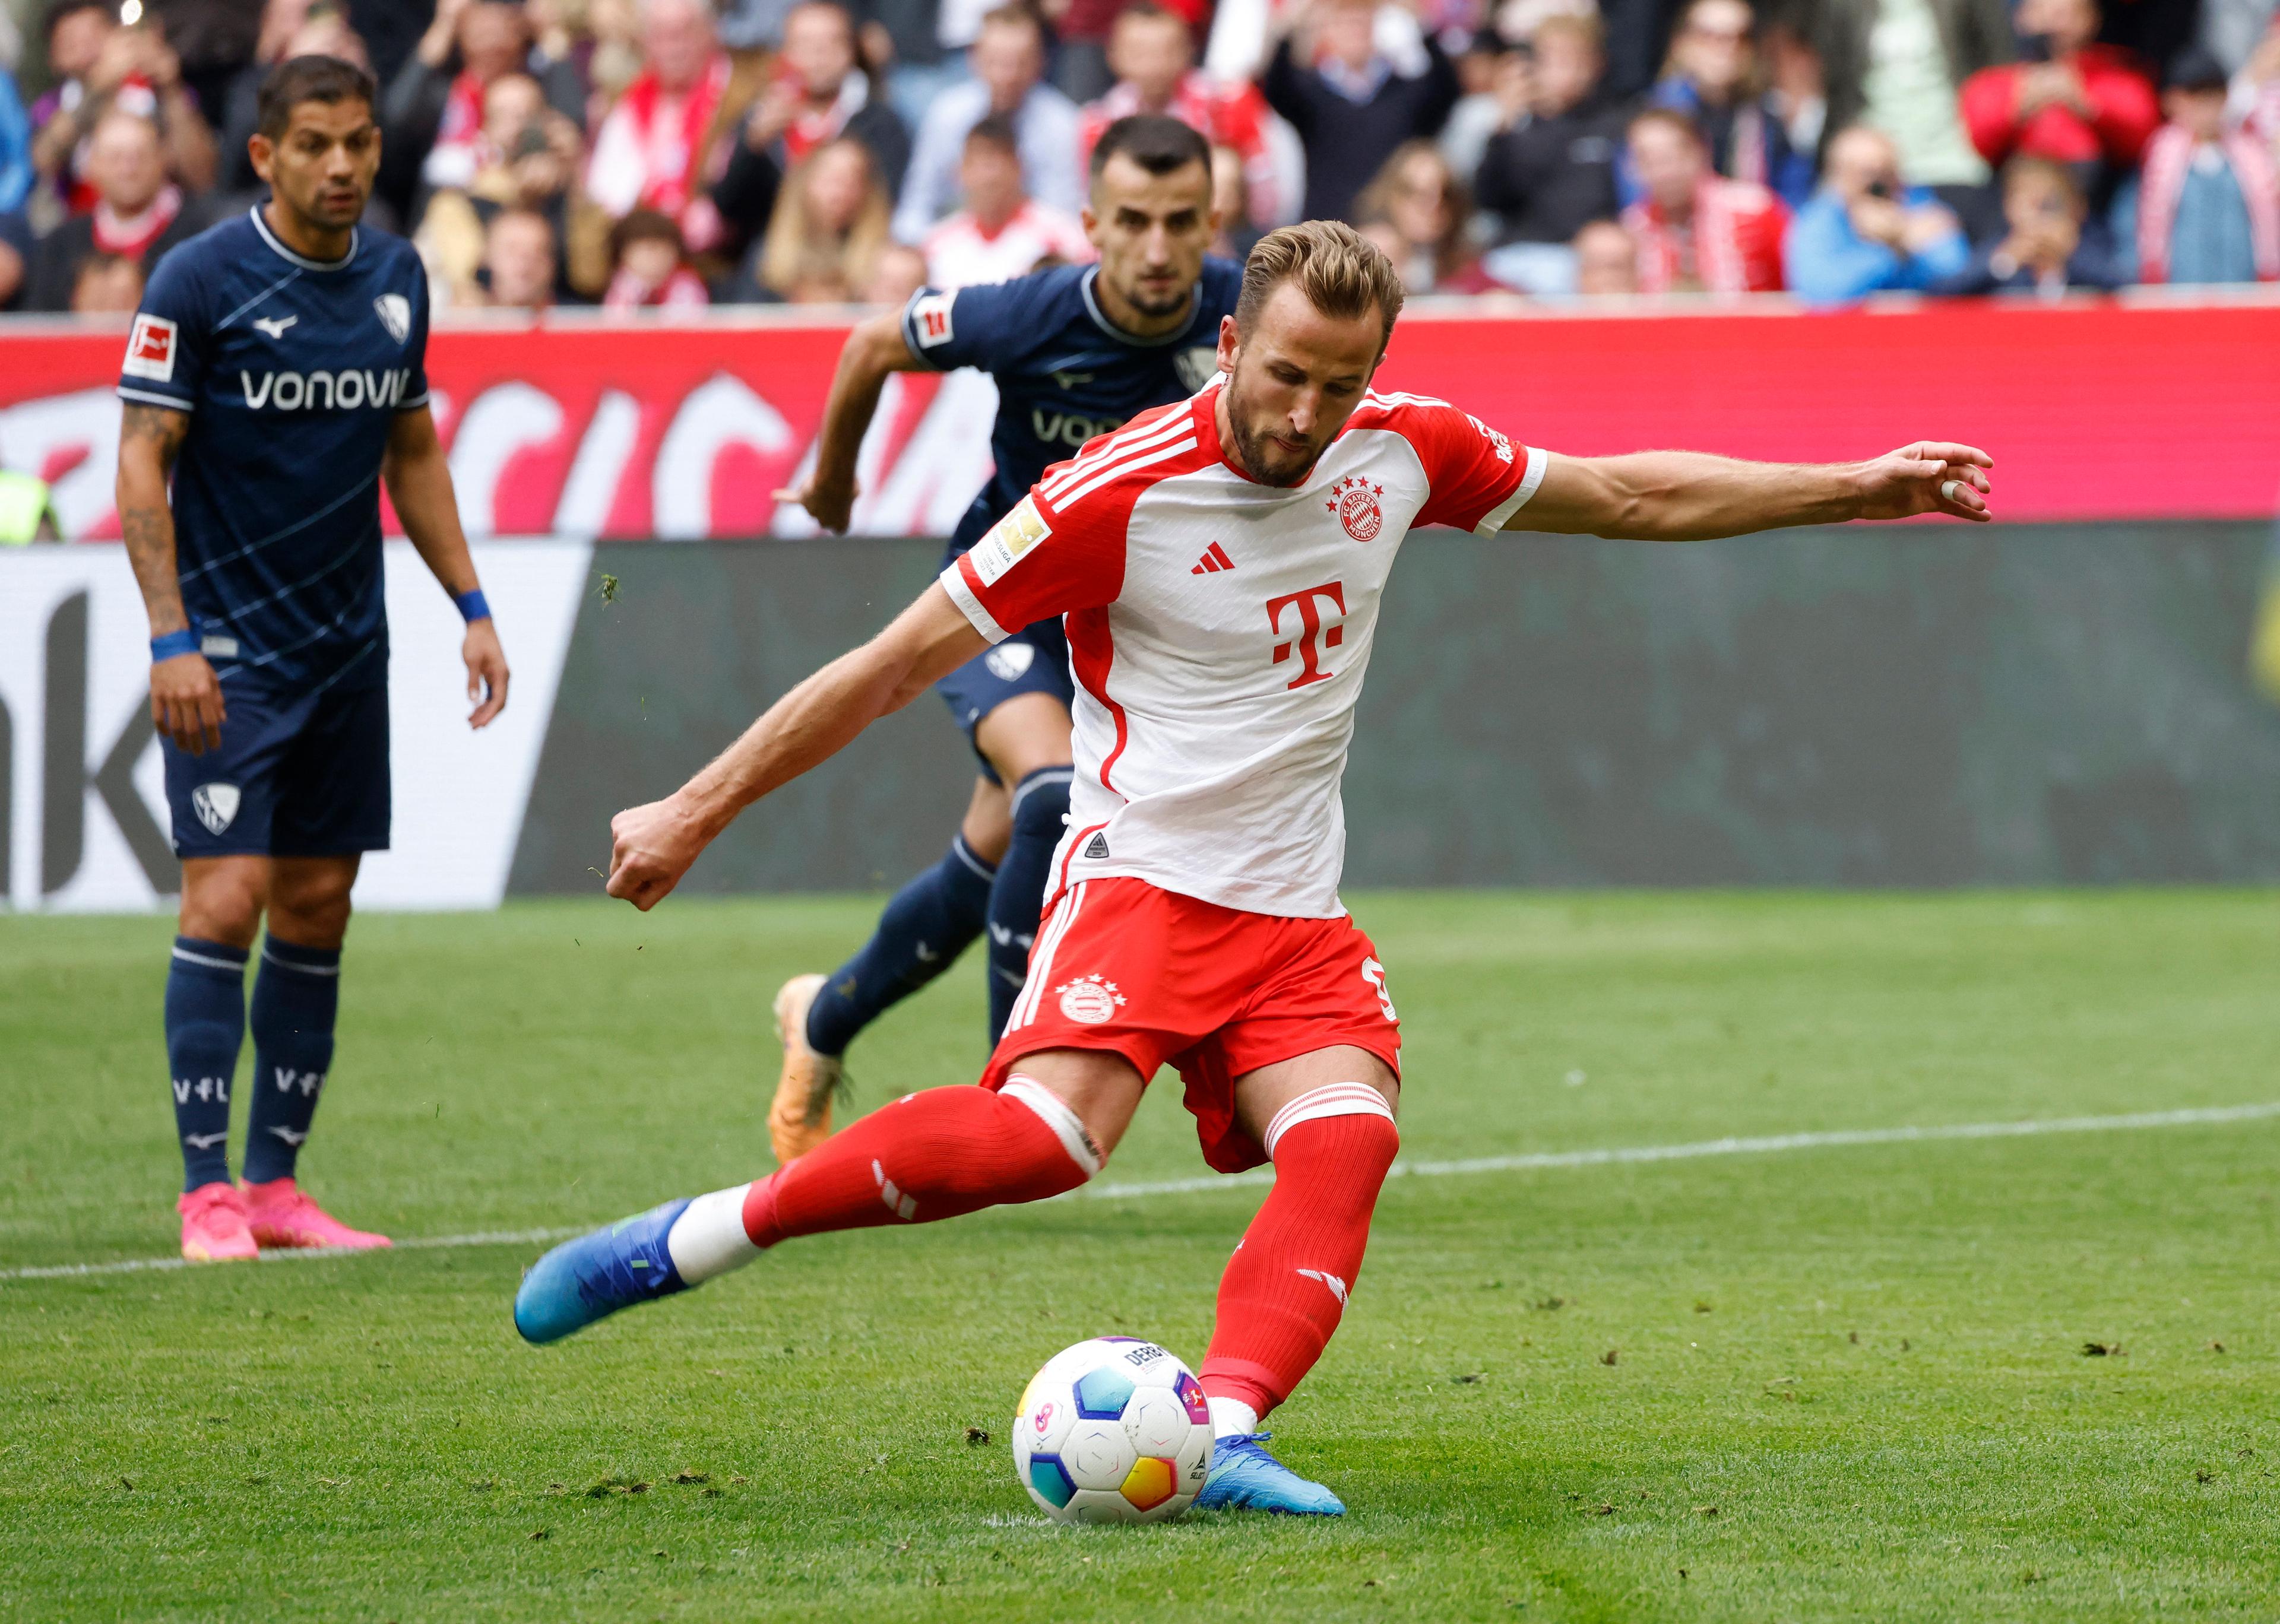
(1845,1381)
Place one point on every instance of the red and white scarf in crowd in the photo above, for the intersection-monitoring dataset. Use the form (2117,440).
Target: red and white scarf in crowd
(130,236)
(651,151)
(684,290)
(813,127)
(457,153)
(1736,240)
(2169,160)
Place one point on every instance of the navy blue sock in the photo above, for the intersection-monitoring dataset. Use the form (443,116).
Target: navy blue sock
(927,926)
(1040,809)
(296,994)
(206,1024)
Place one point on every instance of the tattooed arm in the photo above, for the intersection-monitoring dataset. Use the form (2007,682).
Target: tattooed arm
(185,695)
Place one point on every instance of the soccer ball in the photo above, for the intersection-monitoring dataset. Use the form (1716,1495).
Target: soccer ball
(1113,1430)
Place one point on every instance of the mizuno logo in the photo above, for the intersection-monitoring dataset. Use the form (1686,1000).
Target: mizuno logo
(1066,379)
(295,1140)
(204,1142)
(1338,1287)
(274,325)
(1214,561)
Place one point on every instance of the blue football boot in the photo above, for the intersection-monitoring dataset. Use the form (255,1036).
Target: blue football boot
(1245,1477)
(597,1274)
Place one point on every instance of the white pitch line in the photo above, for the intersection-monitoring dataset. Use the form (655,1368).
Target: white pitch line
(1758,1144)
(1753,1145)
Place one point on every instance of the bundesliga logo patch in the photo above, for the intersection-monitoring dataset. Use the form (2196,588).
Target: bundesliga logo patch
(930,319)
(150,350)
(1008,539)
(1089,1000)
(1354,500)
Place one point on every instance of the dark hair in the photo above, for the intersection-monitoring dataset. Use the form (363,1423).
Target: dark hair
(998,130)
(644,226)
(1159,144)
(311,79)
(1147,10)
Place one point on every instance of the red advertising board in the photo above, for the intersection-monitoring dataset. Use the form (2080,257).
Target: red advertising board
(2092,410)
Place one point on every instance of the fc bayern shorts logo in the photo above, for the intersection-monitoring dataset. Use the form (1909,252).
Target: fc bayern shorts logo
(1089,1000)
(215,805)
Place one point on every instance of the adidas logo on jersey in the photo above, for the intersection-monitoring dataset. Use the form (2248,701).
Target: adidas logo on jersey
(1214,561)
(326,391)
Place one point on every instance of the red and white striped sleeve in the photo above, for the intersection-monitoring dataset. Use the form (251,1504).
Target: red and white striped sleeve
(1478,477)
(1062,548)
(1038,564)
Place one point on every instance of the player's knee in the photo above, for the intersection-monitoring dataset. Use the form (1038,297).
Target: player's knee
(1028,732)
(222,901)
(1361,1111)
(310,911)
(1085,1156)
(1041,803)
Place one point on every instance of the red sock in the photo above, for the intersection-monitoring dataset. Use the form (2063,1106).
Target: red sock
(1286,1285)
(930,1156)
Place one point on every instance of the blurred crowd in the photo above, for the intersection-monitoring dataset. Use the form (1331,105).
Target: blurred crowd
(678,153)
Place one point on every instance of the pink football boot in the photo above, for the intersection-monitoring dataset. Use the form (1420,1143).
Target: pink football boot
(280,1215)
(213,1225)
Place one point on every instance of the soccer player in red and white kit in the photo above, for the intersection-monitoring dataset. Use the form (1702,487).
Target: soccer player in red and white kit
(1219,562)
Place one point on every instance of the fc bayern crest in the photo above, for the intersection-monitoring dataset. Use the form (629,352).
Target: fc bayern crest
(1089,1000)
(1354,500)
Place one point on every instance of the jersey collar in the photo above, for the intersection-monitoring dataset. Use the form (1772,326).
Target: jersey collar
(356,239)
(1100,316)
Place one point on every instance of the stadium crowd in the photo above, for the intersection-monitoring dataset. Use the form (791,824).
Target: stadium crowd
(678,153)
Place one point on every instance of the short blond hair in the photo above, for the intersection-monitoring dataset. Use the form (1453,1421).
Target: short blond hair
(1342,273)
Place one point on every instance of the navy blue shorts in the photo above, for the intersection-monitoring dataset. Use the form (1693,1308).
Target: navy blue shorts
(297,776)
(1033,660)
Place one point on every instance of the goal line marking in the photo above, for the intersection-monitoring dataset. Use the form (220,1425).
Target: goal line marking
(1739,1145)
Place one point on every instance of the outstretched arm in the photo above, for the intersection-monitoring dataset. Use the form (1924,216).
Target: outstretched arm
(1693,496)
(873,350)
(419,481)
(652,846)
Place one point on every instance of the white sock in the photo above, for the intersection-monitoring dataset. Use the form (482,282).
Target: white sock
(708,1238)
(1230,1417)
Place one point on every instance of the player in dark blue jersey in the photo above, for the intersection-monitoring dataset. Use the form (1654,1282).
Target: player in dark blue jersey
(1076,351)
(276,370)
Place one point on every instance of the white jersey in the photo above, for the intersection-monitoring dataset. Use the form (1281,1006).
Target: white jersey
(1218,630)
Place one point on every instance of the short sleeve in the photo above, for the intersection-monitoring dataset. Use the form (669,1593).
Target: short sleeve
(166,348)
(415,397)
(1037,564)
(979,326)
(1478,479)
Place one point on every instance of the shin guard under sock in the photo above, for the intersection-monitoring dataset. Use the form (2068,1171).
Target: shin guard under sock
(929,1156)
(928,923)
(1287,1284)
(1017,898)
(205,1026)
(296,993)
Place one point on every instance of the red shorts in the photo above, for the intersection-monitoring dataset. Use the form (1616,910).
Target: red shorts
(1123,965)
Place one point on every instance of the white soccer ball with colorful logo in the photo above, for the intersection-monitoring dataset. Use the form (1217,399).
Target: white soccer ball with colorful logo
(1113,1430)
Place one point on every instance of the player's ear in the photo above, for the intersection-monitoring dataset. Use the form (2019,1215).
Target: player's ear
(1230,343)
(1090,221)
(261,150)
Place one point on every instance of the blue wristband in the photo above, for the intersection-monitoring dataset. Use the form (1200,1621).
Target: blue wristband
(173,643)
(472,606)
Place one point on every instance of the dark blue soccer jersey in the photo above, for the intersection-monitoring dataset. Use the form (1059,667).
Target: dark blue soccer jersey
(1065,373)
(292,371)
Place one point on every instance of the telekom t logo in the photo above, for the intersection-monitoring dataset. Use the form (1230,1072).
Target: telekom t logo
(1312,638)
